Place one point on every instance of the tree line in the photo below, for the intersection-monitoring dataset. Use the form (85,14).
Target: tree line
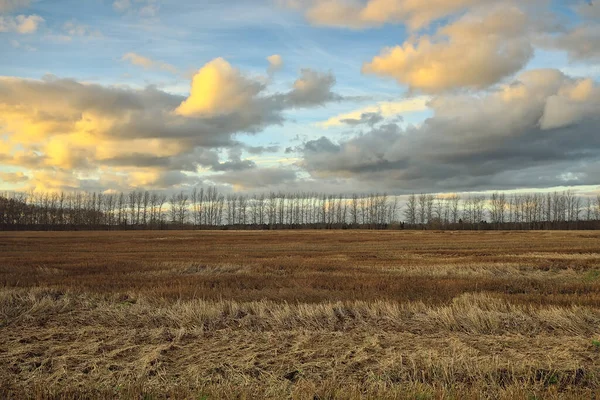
(208,209)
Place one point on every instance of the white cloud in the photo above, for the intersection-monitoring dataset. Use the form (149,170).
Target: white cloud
(275,63)
(23,24)
(148,63)
(18,45)
(143,8)
(121,5)
(149,11)
(73,28)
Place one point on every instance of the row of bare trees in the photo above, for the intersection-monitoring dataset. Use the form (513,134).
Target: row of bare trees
(501,209)
(207,208)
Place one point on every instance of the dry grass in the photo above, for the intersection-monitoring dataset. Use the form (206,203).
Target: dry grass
(306,315)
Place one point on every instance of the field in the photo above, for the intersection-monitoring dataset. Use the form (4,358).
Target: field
(300,314)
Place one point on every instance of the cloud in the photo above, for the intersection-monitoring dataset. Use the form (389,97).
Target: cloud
(539,131)
(369,119)
(18,45)
(581,43)
(121,5)
(360,14)
(219,89)
(238,165)
(572,103)
(52,180)
(143,8)
(65,125)
(587,9)
(134,136)
(73,28)
(476,51)
(175,158)
(235,162)
(23,24)
(162,179)
(147,63)
(149,11)
(256,178)
(312,88)
(384,109)
(275,63)
(10,5)
(256,150)
(13,177)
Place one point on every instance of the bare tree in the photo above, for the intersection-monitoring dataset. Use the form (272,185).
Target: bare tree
(411,210)
(182,209)
(455,208)
(422,208)
(498,208)
(132,200)
(429,202)
(354,209)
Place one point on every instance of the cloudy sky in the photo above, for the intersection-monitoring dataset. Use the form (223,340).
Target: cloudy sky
(329,95)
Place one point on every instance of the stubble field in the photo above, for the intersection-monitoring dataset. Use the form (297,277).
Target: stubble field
(300,314)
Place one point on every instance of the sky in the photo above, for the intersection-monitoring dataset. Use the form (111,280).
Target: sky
(338,96)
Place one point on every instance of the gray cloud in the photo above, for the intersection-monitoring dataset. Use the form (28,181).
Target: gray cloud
(588,9)
(312,88)
(256,150)
(185,161)
(369,119)
(235,162)
(10,5)
(170,179)
(581,43)
(257,178)
(540,131)
(237,165)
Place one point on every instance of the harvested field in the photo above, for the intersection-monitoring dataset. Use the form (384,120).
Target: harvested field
(300,314)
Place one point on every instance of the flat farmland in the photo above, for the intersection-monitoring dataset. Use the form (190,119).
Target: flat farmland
(300,314)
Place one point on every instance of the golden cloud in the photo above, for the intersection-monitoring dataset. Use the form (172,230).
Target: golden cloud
(373,13)
(63,129)
(275,63)
(218,89)
(476,51)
